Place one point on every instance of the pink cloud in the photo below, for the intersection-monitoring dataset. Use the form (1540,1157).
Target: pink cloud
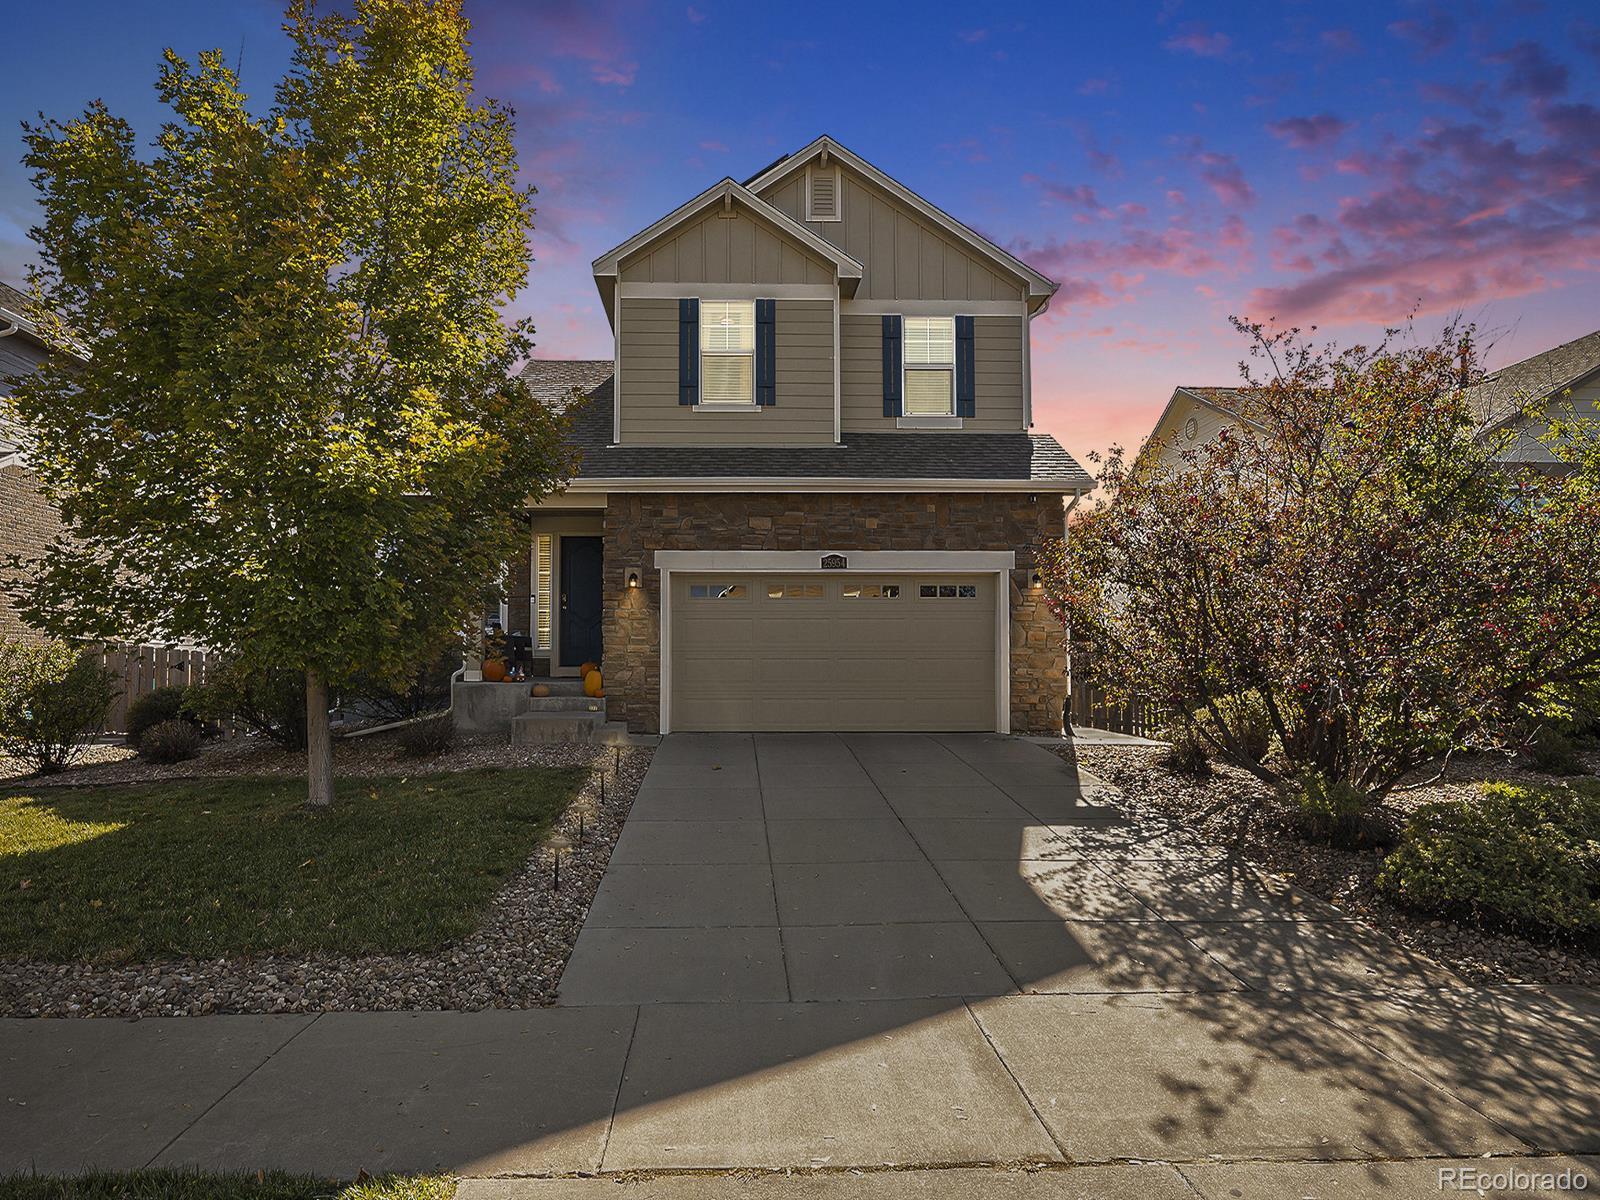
(714,147)
(1340,41)
(1200,42)
(1532,72)
(1431,33)
(1224,176)
(1306,133)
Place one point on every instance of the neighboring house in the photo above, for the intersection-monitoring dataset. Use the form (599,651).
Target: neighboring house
(808,497)
(1558,381)
(28,522)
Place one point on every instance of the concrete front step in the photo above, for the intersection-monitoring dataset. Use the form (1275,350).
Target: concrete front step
(564,704)
(532,728)
(562,686)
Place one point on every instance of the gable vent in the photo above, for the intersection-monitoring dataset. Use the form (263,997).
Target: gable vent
(822,194)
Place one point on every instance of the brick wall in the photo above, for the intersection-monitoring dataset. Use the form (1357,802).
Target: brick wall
(28,523)
(639,525)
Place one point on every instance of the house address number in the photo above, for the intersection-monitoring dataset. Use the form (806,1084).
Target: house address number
(834,562)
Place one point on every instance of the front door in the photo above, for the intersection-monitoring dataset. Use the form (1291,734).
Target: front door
(580,600)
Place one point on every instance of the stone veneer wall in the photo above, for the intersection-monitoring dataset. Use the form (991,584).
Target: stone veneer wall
(637,525)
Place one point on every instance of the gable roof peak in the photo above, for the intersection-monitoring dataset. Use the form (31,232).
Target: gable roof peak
(1040,286)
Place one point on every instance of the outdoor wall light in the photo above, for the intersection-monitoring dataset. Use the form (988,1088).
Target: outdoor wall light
(1037,580)
(633,579)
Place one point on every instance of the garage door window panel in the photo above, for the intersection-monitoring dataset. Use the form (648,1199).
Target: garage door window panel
(716,591)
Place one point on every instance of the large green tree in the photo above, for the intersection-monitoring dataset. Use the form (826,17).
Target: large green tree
(1354,556)
(291,425)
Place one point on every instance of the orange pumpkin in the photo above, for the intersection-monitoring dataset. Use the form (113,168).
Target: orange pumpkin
(494,670)
(541,689)
(592,683)
(583,671)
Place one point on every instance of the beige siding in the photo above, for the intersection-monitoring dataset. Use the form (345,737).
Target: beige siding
(1171,435)
(651,414)
(904,256)
(997,375)
(721,249)
(1583,403)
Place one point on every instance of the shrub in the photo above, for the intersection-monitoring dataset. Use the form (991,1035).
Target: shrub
(170,741)
(426,691)
(1329,810)
(268,701)
(429,737)
(1554,754)
(1187,753)
(1522,857)
(1244,716)
(152,708)
(53,701)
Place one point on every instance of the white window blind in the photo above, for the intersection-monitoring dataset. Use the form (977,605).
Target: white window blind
(543,624)
(930,365)
(727,351)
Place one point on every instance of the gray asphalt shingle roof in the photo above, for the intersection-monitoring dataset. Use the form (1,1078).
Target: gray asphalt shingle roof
(899,455)
(1504,392)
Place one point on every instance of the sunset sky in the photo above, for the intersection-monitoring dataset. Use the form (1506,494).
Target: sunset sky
(1169,163)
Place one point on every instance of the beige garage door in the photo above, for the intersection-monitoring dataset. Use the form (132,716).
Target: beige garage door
(833,652)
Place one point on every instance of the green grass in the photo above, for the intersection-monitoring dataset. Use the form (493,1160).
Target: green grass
(193,1185)
(224,867)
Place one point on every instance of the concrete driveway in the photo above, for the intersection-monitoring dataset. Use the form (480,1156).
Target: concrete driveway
(880,961)
(815,867)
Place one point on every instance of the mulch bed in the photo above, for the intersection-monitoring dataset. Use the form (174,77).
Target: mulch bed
(1235,811)
(513,961)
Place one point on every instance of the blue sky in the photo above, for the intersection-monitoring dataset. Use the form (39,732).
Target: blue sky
(1170,163)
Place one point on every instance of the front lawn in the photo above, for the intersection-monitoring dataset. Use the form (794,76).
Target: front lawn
(213,868)
(195,1185)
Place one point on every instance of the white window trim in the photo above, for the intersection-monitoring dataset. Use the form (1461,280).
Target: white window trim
(928,422)
(838,192)
(905,365)
(998,563)
(703,404)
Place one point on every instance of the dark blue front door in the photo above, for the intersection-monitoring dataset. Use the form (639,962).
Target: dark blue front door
(580,600)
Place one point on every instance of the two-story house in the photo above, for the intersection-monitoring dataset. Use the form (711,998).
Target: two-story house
(1514,404)
(809,497)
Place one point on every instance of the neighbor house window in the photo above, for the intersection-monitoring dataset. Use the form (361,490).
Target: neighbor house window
(930,365)
(543,607)
(728,352)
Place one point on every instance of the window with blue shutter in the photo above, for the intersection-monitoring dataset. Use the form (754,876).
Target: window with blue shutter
(688,351)
(766,352)
(966,389)
(891,365)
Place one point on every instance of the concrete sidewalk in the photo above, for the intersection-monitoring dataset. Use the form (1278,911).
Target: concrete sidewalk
(879,955)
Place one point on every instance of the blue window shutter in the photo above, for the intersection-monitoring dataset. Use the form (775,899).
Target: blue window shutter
(688,352)
(966,391)
(891,365)
(766,352)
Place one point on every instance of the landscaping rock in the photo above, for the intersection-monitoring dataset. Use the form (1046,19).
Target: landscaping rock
(513,961)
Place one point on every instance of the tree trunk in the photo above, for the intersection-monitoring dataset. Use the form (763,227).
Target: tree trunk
(319,742)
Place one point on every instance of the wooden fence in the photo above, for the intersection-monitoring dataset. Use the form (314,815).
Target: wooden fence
(138,669)
(1088,707)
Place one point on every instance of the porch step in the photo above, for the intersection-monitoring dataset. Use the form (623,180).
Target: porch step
(535,727)
(563,686)
(579,703)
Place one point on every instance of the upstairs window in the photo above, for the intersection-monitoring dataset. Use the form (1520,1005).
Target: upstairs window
(727,352)
(930,366)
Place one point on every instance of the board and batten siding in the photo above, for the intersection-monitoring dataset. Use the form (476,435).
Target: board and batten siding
(903,256)
(997,375)
(651,414)
(737,248)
